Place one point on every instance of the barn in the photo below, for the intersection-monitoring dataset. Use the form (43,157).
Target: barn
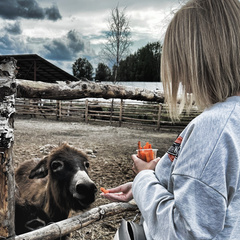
(34,67)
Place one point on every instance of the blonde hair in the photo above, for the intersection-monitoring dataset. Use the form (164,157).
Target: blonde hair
(201,51)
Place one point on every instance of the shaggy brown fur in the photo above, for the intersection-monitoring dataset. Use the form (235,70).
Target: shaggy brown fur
(57,183)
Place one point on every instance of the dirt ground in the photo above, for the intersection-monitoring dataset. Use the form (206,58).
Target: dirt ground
(110,162)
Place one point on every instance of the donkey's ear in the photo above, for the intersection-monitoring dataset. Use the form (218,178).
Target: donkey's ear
(41,170)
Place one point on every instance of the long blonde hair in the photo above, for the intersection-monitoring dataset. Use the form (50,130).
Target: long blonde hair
(201,50)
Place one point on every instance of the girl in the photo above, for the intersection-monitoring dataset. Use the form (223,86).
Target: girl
(193,192)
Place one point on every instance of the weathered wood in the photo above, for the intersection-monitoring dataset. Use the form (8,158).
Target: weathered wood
(159,116)
(121,113)
(86,110)
(111,113)
(77,90)
(69,225)
(59,110)
(7,182)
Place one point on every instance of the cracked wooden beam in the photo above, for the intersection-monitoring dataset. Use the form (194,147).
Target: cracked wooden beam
(82,89)
(62,228)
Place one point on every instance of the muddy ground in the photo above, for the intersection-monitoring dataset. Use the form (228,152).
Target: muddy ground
(110,163)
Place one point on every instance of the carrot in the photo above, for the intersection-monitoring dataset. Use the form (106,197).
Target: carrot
(140,155)
(104,190)
(146,145)
(146,154)
(149,155)
(143,155)
(139,145)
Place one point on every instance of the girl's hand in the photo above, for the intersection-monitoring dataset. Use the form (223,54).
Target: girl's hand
(139,164)
(122,193)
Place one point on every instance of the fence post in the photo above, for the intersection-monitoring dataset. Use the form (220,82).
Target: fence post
(86,110)
(159,116)
(7,180)
(111,113)
(120,113)
(59,110)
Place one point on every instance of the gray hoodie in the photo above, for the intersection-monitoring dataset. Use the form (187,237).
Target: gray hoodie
(194,192)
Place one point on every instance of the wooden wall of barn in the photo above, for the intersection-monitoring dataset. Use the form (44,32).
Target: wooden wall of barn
(115,112)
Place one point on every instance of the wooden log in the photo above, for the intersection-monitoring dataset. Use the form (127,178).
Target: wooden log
(77,90)
(7,181)
(56,230)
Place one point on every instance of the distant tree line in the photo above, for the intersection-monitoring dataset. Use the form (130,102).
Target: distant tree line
(143,65)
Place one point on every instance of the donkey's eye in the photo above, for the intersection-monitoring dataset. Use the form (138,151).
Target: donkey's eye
(57,166)
(86,164)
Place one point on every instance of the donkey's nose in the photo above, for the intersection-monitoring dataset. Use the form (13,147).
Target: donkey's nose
(86,192)
(86,188)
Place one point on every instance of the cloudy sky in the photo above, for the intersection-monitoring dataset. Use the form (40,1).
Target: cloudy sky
(62,31)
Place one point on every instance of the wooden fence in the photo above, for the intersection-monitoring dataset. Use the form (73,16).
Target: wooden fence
(115,112)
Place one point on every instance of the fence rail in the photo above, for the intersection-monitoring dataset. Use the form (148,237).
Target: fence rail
(116,112)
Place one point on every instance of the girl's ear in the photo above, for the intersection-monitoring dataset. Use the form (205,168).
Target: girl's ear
(40,171)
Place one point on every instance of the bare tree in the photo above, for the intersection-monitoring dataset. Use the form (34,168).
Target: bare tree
(118,39)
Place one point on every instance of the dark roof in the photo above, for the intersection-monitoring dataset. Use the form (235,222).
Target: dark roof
(34,67)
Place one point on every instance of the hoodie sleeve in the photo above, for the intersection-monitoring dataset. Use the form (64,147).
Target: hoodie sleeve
(196,196)
(194,211)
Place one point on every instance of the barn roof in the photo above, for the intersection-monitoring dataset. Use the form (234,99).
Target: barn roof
(34,67)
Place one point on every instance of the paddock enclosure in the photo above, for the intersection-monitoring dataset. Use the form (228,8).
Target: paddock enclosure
(47,123)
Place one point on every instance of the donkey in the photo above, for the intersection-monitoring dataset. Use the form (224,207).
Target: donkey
(58,183)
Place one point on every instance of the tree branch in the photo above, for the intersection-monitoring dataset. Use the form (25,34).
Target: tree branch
(69,225)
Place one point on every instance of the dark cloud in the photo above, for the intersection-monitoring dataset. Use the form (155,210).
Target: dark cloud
(14,28)
(75,42)
(53,13)
(12,45)
(66,48)
(28,9)
(57,50)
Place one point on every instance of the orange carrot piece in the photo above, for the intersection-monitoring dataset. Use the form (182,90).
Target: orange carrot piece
(139,154)
(139,145)
(147,146)
(146,154)
(149,155)
(143,155)
(104,190)
(152,154)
